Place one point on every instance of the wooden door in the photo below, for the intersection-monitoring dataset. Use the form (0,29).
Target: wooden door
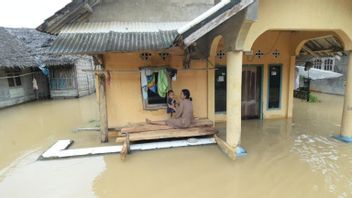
(251,92)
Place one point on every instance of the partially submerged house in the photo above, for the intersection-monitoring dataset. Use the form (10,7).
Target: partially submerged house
(17,70)
(66,74)
(326,54)
(237,57)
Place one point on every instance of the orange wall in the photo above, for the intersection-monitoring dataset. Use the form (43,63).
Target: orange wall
(267,43)
(124,97)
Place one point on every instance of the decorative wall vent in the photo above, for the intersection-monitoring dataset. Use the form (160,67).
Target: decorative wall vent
(259,54)
(164,55)
(276,53)
(220,54)
(146,56)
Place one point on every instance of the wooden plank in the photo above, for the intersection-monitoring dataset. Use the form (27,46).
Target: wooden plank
(226,148)
(149,127)
(124,151)
(169,133)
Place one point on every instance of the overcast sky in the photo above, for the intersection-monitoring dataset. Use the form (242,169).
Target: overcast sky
(28,13)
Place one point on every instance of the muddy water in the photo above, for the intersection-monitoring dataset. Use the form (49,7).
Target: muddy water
(37,125)
(287,158)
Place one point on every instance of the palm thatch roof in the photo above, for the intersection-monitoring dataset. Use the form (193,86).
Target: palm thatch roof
(14,53)
(38,44)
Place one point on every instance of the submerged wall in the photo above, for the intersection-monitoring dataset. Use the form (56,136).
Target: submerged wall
(124,98)
(267,43)
(15,95)
(85,80)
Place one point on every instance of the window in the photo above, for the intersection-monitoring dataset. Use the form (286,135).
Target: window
(317,63)
(274,86)
(324,64)
(13,78)
(62,78)
(329,64)
(155,83)
(220,88)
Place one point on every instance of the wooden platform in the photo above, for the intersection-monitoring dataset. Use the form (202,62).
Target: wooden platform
(143,127)
(168,133)
(156,132)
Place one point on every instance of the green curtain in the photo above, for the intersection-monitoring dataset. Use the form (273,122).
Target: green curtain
(163,83)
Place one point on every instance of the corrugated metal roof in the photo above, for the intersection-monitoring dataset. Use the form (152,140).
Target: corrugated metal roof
(127,27)
(115,37)
(324,46)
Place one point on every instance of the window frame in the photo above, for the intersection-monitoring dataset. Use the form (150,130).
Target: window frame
(329,64)
(14,76)
(280,89)
(146,105)
(315,63)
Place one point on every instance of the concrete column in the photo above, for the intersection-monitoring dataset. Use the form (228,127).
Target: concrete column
(234,92)
(346,125)
(211,89)
(291,86)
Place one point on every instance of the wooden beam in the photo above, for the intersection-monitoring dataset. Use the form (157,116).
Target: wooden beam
(103,109)
(149,127)
(305,48)
(169,133)
(226,148)
(216,22)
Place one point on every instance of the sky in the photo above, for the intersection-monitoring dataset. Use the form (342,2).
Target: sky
(28,13)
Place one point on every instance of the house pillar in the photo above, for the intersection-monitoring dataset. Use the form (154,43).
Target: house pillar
(102,108)
(233,106)
(233,97)
(291,86)
(211,89)
(346,125)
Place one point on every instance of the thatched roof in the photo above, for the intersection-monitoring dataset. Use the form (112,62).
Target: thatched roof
(13,53)
(38,44)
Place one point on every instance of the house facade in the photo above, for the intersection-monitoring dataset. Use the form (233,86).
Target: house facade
(236,57)
(17,70)
(334,85)
(65,78)
(326,54)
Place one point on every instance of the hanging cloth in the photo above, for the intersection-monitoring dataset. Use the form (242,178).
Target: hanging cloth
(151,83)
(163,83)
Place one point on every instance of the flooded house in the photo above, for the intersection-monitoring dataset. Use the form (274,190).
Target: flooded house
(326,54)
(237,57)
(66,78)
(18,68)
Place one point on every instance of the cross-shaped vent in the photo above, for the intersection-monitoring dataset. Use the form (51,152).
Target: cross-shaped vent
(276,53)
(259,54)
(220,54)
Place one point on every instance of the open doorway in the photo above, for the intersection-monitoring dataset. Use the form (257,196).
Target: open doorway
(251,91)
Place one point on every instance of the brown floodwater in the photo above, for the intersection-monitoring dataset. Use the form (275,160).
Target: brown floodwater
(286,158)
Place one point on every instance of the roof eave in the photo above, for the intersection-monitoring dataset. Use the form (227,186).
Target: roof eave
(72,12)
(209,20)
